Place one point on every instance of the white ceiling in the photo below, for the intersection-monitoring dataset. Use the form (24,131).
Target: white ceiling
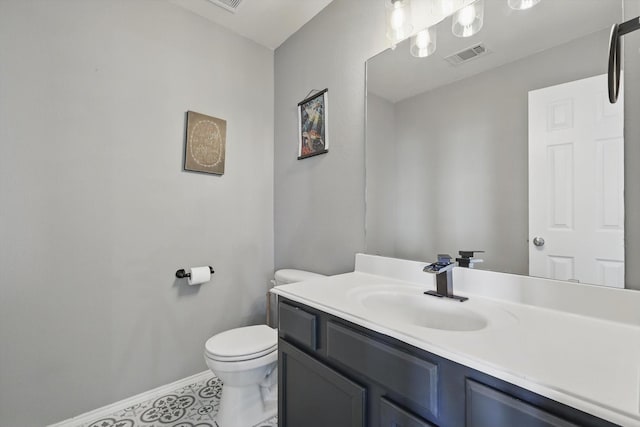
(508,35)
(267,22)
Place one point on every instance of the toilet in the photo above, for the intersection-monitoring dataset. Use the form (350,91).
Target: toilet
(245,359)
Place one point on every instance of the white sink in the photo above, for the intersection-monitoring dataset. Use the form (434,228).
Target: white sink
(408,304)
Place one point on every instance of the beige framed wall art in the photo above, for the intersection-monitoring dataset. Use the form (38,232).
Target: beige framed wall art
(205,144)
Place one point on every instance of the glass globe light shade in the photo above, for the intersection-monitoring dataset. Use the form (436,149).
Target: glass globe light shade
(423,43)
(399,23)
(522,4)
(468,20)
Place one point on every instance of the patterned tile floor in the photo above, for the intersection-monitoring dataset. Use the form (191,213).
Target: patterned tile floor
(194,405)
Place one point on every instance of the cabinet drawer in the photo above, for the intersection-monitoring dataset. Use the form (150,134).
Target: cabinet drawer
(393,416)
(406,375)
(297,325)
(487,407)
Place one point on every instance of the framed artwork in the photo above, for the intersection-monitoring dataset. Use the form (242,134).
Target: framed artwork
(313,125)
(205,144)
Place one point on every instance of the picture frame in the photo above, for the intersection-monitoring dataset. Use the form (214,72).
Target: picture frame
(204,148)
(313,125)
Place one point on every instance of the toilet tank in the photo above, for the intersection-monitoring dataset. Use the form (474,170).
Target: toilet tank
(283,277)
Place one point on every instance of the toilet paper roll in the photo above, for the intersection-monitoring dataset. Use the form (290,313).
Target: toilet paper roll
(199,275)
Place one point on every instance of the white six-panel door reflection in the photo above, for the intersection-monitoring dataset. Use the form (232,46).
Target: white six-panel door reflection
(576,183)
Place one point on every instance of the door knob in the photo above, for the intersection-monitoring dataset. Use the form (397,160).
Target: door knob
(538,241)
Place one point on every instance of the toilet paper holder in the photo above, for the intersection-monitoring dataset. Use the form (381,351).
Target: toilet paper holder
(181,274)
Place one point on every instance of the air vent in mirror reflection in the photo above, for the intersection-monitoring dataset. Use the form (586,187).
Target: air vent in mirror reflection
(468,54)
(230,5)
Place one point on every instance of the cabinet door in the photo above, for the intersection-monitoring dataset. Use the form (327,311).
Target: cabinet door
(487,407)
(314,395)
(392,415)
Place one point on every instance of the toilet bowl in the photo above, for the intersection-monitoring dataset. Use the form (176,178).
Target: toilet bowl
(245,359)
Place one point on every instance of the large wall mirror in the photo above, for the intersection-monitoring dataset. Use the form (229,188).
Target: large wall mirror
(500,139)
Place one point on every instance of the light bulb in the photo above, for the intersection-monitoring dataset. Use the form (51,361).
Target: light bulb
(467,15)
(424,43)
(397,18)
(468,20)
(422,39)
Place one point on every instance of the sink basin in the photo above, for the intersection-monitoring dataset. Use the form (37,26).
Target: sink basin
(409,305)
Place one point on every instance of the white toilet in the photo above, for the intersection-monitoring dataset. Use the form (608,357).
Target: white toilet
(245,359)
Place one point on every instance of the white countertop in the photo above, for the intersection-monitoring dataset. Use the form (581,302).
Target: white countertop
(581,356)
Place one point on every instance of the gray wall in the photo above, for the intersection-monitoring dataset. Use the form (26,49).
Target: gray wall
(96,214)
(319,201)
(381,187)
(461,159)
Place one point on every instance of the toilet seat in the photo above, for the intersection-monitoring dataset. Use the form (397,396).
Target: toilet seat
(239,366)
(246,343)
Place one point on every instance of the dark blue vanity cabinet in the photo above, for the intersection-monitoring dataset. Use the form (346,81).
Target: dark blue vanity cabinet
(333,373)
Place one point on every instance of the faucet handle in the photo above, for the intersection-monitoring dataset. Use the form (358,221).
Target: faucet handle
(444,259)
(466,258)
(468,254)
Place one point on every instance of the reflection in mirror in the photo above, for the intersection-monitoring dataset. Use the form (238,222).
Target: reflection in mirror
(488,153)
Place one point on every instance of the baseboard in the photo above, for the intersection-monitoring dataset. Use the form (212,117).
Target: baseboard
(96,414)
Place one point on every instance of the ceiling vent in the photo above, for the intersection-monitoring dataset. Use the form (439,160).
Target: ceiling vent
(467,54)
(229,5)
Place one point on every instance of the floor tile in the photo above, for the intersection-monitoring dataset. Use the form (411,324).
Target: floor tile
(194,405)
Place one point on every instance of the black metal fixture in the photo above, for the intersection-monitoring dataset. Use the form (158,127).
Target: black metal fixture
(181,274)
(444,278)
(617,31)
(466,258)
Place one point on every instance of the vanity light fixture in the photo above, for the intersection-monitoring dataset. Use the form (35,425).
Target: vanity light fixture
(424,43)
(399,24)
(468,20)
(522,4)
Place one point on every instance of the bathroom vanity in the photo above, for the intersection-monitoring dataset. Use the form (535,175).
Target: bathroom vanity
(368,348)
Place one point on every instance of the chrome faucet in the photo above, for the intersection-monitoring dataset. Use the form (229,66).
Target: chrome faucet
(444,278)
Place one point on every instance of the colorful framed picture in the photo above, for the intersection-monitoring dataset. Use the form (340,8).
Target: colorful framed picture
(205,145)
(313,125)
